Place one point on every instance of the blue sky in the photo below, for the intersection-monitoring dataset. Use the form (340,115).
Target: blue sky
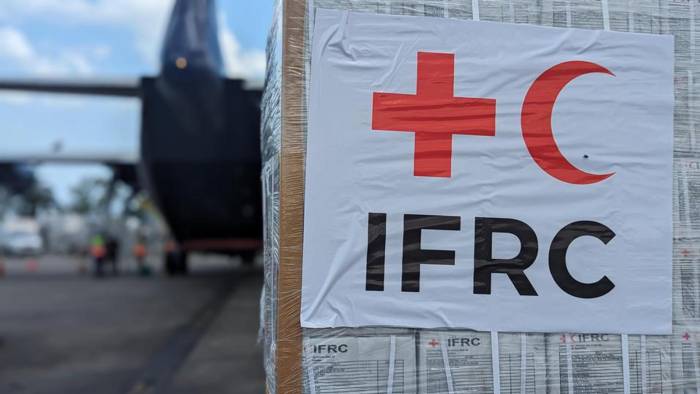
(95,39)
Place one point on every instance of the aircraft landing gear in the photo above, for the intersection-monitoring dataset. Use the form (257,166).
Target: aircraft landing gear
(176,263)
(248,258)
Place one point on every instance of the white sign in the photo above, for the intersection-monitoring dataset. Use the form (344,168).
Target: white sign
(487,176)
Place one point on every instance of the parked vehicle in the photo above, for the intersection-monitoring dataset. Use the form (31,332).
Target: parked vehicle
(22,243)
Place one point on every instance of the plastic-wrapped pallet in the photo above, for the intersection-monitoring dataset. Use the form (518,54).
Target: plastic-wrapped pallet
(376,360)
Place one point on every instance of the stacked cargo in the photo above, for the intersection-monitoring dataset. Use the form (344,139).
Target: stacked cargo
(383,360)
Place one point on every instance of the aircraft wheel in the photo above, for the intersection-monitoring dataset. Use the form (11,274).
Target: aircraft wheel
(176,264)
(182,266)
(248,258)
(170,264)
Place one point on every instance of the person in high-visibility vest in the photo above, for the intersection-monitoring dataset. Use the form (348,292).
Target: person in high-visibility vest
(140,253)
(98,252)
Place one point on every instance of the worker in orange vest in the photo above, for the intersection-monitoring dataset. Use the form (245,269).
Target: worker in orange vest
(98,251)
(140,252)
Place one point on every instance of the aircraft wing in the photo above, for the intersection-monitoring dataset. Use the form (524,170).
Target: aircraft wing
(116,88)
(125,165)
(107,158)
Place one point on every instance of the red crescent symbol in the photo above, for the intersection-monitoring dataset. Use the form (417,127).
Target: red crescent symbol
(536,121)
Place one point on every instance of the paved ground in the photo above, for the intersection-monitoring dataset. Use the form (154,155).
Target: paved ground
(66,332)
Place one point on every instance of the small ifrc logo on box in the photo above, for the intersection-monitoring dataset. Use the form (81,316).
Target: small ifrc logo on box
(434,115)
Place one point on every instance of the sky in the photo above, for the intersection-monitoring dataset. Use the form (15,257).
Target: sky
(99,39)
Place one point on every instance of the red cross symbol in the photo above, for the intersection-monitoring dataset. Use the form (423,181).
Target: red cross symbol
(433,343)
(433,114)
(685,252)
(562,338)
(686,336)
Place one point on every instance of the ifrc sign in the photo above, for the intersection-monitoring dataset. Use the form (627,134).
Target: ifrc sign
(487,176)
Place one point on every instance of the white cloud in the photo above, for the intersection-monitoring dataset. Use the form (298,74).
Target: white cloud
(17,50)
(145,19)
(15,98)
(239,62)
(101,51)
(15,47)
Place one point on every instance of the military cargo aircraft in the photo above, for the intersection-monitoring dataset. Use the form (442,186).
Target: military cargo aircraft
(200,141)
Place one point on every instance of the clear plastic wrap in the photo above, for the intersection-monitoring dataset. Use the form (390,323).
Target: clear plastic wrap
(381,360)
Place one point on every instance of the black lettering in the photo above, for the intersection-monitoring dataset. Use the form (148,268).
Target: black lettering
(557,259)
(414,256)
(484,263)
(376,250)
(343,348)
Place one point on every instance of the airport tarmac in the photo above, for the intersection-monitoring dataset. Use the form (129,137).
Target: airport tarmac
(66,332)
